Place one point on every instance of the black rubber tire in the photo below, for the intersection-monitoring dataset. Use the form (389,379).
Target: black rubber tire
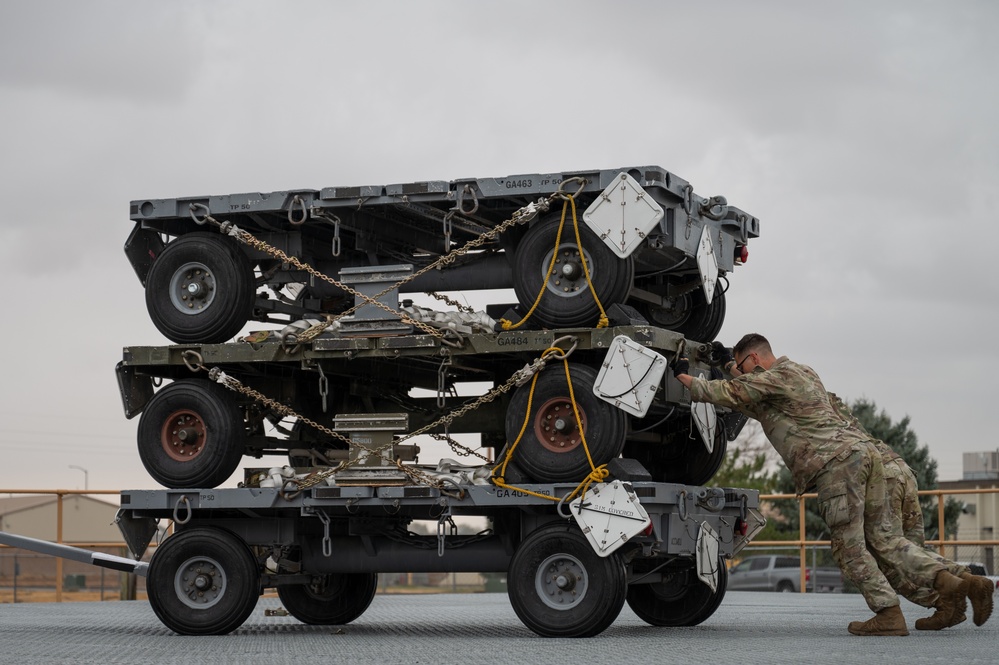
(225,562)
(333,600)
(692,316)
(680,600)
(785,587)
(226,280)
(605,430)
(600,584)
(211,452)
(681,456)
(612,276)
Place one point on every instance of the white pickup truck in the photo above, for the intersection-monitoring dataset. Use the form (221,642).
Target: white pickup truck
(768,572)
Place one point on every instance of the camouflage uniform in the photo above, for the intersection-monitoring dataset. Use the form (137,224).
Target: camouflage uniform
(906,514)
(826,453)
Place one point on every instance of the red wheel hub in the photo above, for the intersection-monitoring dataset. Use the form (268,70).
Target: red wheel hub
(183,435)
(556,427)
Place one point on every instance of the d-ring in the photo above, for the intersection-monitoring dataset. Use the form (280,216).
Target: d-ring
(176,510)
(195,207)
(300,202)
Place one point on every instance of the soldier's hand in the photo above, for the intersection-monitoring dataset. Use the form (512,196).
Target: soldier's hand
(681,366)
(722,353)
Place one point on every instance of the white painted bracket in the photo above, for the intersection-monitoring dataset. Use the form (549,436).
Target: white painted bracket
(707,264)
(706,421)
(707,556)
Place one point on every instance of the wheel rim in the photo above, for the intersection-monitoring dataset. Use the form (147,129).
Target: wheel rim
(183,435)
(200,582)
(561,581)
(192,288)
(672,588)
(673,315)
(324,588)
(568,279)
(556,427)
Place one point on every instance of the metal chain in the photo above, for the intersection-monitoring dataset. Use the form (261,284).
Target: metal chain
(249,239)
(521,216)
(461,307)
(459,449)
(194,362)
(518,378)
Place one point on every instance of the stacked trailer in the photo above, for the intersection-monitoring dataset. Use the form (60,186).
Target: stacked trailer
(194,431)
(636,238)
(592,459)
(570,566)
(343,510)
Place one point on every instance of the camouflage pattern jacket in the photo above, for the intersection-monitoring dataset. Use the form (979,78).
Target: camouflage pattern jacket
(794,410)
(888,455)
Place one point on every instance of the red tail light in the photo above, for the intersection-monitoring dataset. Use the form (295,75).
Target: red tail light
(741,527)
(741,254)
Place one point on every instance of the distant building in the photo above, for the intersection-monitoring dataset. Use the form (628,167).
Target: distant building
(84,519)
(981,511)
(981,466)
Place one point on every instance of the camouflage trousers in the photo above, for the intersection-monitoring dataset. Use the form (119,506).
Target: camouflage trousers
(907,517)
(852,501)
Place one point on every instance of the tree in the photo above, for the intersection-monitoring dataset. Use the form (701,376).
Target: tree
(748,462)
(900,437)
(905,442)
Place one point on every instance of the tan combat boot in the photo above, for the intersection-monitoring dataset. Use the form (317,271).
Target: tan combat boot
(951,603)
(888,621)
(940,620)
(980,592)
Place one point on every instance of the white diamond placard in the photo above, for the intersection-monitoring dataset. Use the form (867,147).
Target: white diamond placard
(609,516)
(623,215)
(629,376)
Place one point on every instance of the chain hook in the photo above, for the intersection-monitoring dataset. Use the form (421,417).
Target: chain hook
(324,386)
(183,500)
(562,194)
(460,206)
(193,360)
(442,380)
(336,237)
(289,489)
(200,221)
(290,344)
(327,543)
(687,202)
(444,520)
(300,202)
(563,354)
(448,225)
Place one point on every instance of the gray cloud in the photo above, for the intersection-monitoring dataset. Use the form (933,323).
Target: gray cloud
(862,135)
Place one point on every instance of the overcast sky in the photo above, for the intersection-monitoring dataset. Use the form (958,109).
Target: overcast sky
(862,134)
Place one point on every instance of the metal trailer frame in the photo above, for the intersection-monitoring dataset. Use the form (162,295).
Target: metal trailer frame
(336,229)
(376,375)
(322,547)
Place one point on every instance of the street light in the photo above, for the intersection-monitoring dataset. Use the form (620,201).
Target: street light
(86,476)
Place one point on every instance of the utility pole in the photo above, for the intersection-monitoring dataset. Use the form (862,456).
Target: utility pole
(86,476)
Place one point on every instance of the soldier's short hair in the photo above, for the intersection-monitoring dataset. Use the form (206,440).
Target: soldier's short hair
(752,343)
